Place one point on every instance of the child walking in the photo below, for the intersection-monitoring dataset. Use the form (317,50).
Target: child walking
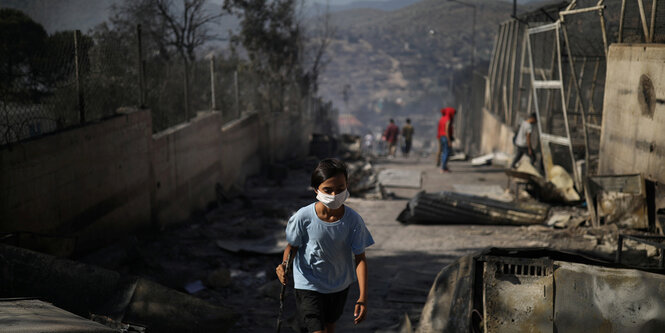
(327,241)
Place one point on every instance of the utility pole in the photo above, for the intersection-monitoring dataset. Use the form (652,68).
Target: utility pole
(235,85)
(514,8)
(78,73)
(213,105)
(141,66)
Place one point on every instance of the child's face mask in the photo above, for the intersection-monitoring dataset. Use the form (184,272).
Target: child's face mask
(332,201)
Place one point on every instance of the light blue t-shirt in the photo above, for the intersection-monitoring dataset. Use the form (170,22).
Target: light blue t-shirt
(325,259)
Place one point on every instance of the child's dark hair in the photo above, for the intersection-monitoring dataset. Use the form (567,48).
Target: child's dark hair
(328,168)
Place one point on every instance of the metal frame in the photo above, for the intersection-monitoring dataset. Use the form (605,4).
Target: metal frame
(536,85)
(648,28)
(644,239)
(579,102)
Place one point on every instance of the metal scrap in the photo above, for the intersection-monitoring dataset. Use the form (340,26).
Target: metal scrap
(364,180)
(512,290)
(560,189)
(619,199)
(451,208)
(84,289)
(32,315)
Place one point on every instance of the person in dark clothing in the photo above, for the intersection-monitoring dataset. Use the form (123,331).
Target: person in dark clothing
(390,135)
(407,134)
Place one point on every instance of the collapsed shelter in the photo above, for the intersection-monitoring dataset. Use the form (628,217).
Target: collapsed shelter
(591,71)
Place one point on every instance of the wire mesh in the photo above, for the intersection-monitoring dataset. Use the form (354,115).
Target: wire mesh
(544,55)
(73,79)
(233,89)
(633,31)
(587,52)
(469,96)
(112,79)
(633,26)
(39,96)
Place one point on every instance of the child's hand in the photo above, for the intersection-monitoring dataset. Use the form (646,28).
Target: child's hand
(360,312)
(280,273)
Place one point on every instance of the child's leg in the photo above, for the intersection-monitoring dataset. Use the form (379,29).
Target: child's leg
(310,305)
(334,306)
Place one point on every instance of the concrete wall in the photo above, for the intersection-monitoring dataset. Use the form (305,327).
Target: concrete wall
(284,137)
(633,129)
(102,181)
(89,182)
(240,147)
(495,135)
(186,165)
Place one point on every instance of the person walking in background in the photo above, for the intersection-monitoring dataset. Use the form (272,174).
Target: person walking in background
(368,142)
(445,136)
(407,134)
(390,135)
(522,140)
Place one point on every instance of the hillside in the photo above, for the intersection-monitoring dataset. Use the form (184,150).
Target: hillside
(399,63)
(387,5)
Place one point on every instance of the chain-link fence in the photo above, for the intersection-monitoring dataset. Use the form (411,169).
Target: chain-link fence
(468,93)
(79,78)
(66,82)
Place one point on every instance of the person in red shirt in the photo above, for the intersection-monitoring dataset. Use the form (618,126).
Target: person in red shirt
(445,136)
(390,135)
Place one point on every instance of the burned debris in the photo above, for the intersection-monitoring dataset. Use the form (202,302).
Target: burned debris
(85,289)
(121,223)
(452,208)
(541,290)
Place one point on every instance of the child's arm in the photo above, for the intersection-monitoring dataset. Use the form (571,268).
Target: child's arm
(361,305)
(286,260)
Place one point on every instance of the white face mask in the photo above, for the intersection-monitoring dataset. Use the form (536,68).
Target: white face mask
(332,201)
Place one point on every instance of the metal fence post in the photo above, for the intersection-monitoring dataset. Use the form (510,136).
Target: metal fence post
(235,83)
(186,83)
(213,105)
(77,65)
(141,67)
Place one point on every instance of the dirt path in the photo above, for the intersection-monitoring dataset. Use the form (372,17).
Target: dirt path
(406,258)
(402,264)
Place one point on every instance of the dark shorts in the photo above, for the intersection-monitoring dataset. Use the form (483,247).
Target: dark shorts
(315,309)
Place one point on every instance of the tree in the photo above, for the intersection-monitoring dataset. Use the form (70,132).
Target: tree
(22,41)
(175,27)
(180,27)
(274,37)
(270,35)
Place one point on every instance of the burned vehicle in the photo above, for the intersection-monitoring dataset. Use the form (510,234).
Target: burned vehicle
(543,290)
